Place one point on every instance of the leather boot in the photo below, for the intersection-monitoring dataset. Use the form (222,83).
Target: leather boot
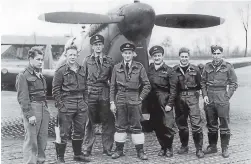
(184,137)
(225,138)
(77,149)
(169,145)
(60,150)
(119,150)
(162,152)
(169,152)
(212,139)
(198,141)
(140,152)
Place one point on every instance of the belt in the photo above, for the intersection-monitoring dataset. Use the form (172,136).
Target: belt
(188,93)
(125,89)
(66,93)
(98,84)
(217,88)
(33,98)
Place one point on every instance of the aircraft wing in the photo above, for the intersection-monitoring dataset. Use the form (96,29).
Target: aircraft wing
(8,74)
(32,40)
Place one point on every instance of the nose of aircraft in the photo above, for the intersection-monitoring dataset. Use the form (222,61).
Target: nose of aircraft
(138,20)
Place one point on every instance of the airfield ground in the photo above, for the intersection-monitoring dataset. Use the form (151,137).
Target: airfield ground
(240,144)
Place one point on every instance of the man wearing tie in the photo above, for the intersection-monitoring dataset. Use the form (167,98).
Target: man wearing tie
(129,87)
(98,68)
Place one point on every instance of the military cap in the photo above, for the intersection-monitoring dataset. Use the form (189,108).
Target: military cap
(184,49)
(216,47)
(127,46)
(156,49)
(96,38)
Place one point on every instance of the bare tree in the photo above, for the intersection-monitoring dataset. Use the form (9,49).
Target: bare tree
(245,18)
(167,44)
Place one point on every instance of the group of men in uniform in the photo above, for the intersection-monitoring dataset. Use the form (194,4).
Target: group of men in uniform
(114,94)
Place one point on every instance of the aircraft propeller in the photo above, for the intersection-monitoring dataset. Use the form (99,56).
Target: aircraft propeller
(79,18)
(135,12)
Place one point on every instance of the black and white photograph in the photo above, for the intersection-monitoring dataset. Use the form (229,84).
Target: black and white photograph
(125,81)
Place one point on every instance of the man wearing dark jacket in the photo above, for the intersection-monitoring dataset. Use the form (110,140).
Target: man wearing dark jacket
(185,86)
(159,75)
(68,89)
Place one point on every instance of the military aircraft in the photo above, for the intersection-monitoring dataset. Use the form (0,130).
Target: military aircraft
(132,22)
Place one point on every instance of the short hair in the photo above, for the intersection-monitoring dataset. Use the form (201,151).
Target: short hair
(34,51)
(184,50)
(73,46)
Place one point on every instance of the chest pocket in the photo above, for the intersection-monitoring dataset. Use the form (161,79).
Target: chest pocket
(120,76)
(105,71)
(134,78)
(191,79)
(210,74)
(69,78)
(34,84)
(82,79)
(92,70)
(162,79)
(221,75)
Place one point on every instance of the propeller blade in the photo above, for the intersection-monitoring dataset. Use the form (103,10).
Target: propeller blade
(79,18)
(187,20)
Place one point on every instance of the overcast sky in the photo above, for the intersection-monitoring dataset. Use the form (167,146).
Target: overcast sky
(19,17)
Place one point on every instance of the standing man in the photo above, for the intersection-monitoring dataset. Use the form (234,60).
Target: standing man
(159,75)
(129,87)
(185,86)
(98,68)
(31,95)
(216,76)
(68,89)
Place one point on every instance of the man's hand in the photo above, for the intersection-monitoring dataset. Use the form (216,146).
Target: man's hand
(206,100)
(168,108)
(113,107)
(32,120)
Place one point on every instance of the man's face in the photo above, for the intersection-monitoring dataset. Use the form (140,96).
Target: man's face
(71,56)
(158,58)
(98,47)
(217,56)
(37,61)
(184,58)
(127,55)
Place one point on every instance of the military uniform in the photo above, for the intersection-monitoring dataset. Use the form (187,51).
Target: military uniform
(31,94)
(185,88)
(98,73)
(68,90)
(215,80)
(162,121)
(129,86)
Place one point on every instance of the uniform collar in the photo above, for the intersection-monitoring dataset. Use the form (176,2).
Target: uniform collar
(69,67)
(157,67)
(102,57)
(190,68)
(133,64)
(129,63)
(32,70)
(223,64)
